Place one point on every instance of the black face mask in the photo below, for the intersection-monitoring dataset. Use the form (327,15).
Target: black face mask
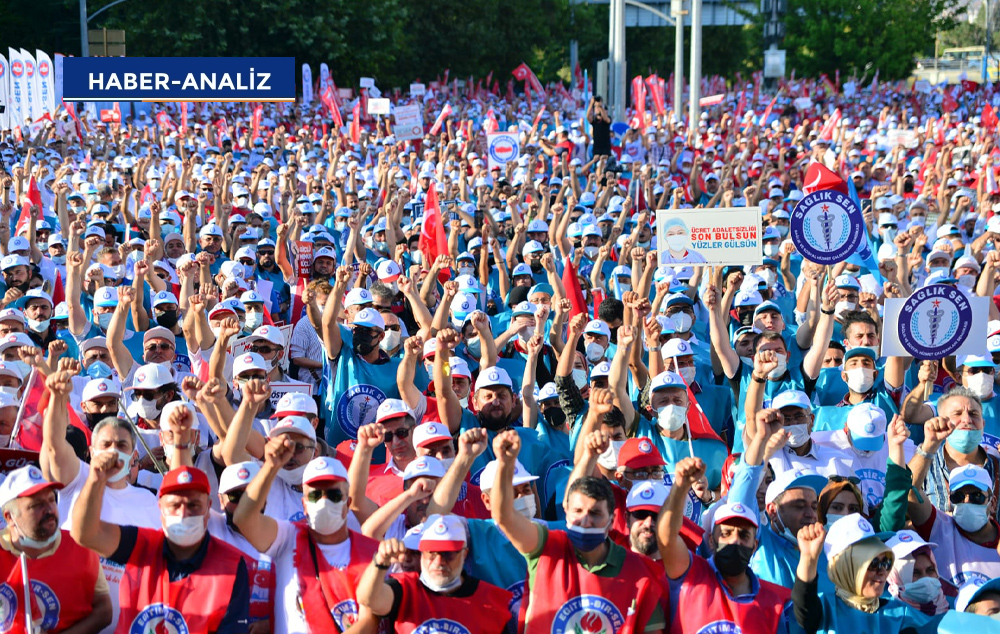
(746,318)
(907,186)
(732,559)
(555,417)
(168,318)
(93,419)
(364,343)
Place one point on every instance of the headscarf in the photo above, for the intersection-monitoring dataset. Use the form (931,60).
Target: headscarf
(830,493)
(848,568)
(901,576)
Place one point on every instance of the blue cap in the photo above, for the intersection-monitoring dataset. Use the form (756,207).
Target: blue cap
(766,306)
(676,299)
(860,351)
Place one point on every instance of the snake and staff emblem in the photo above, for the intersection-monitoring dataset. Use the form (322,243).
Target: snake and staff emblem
(934,315)
(826,222)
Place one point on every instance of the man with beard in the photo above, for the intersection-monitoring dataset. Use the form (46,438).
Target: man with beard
(643,506)
(721,590)
(82,602)
(267,270)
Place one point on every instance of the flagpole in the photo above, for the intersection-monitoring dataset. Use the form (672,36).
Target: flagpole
(135,429)
(27,594)
(20,408)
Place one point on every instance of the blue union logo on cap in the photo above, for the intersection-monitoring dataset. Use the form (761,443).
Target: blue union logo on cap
(864,525)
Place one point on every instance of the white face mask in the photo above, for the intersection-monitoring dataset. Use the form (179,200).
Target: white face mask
(390,340)
(609,457)
(688,374)
(798,435)
(4,440)
(325,516)
(842,307)
(126,465)
(970,517)
(27,542)
(436,587)
(580,377)
(981,384)
(527,333)
(771,250)
(968,281)
(9,391)
(595,352)
(184,531)
(292,476)
(923,590)
(591,252)
(860,380)
(525,505)
(831,518)
(769,277)
(682,322)
(254,320)
(779,371)
(676,242)
(147,408)
(671,417)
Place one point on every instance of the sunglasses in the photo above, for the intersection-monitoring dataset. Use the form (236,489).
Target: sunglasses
(234,497)
(146,394)
(881,564)
(976,497)
(334,495)
(979,370)
(263,349)
(402,433)
(447,555)
(162,347)
(839,478)
(641,516)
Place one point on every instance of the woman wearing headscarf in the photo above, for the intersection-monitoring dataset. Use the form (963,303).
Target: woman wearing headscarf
(859,565)
(914,577)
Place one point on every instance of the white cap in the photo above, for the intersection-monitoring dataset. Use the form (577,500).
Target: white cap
(99,388)
(734,510)
(848,530)
(293,425)
(676,348)
(970,474)
(271,334)
(412,537)
(387,270)
(24,482)
(665,380)
(16,340)
(324,469)
(791,398)
(357,297)
(489,475)
(249,361)
(295,404)
(443,533)
(493,377)
(648,495)
(867,425)
(150,377)
(237,475)
(905,542)
(370,318)
(392,408)
(597,327)
(430,433)
(970,592)
(794,479)
(425,466)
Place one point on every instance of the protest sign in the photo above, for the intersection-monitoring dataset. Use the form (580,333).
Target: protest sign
(303,258)
(502,148)
(409,122)
(11,459)
(279,389)
(378,106)
(417,90)
(935,322)
(922,86)
(906,138)
(709,236)
(367,82)
(240,346)
(803,103)
(827,227)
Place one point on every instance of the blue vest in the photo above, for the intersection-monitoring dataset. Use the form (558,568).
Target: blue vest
(891,618)
(712,452)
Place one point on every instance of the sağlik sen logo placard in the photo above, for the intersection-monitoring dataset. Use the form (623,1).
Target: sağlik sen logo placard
(935,321)
(826,227)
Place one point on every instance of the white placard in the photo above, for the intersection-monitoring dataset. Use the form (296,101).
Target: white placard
(409,122)
(367,82)
(417,90)
(975,340)
(803,103)
(280,389)
(378,106)
(502,148)
(709,236)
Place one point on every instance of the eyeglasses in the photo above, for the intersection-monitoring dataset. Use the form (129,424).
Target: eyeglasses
(839,478)
(162,347)
(641,516)
(234,497)
(402,433)
(299,448)
(882,564)
(263,349)
(447,555)
(978,370)
(146,394)
(334,495)
(646,475)
(976,497)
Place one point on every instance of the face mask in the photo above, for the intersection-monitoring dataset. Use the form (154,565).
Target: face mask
(38,326)
(168,452)
(842,307)
(860,380)
(363,344)
(644,244)
(923,590)
(779,371)
(580,377)
(126,465)
(292,477)
(889,235)
(967,280)
(464,401)
(586,539)
(688,374)
(416,257)
(595,352)
(624,288)
(732,559)
(782,230)
(167,319)
(770,250)
(939,269)
(770,277)
(609,457)
(970,517)
(831,518)
(965,440)
(474,346)
(98,370)
(148,408)
(119,271)
(26,542)
(981,384)
(104,320)
(527,333)
(466,270)
(184,531)
(555,417)
(326,517)
(591,252)
(435,587)
(682,322)
(390,340)
(525,505)
(59,259)
(4,440)
(671,417)
(254,320)
(798,435)
(676,243)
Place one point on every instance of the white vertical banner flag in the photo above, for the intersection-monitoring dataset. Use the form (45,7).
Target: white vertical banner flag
(32,110)
(57,77)
(4,82)
(46,86)
(15,109)
(324,77)
(307,84)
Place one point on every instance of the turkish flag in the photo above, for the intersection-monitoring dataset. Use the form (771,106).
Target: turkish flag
(356,123)
(28,427)
(34,199)
(989,117)
(573,290)
(433,241)
(819,177)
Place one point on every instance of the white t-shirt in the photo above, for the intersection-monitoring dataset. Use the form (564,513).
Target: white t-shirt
(958,559)
(131,506)
(869,467)
(288,616)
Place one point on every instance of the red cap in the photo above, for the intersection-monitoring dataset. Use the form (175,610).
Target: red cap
(637,453)
(184,479)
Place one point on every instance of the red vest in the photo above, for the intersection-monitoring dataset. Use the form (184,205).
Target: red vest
(196,604)
(566,597)
(423,612)
(59,599)
(329,595)
(703,602)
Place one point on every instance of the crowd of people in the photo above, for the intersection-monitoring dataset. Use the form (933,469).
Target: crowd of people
(283,377)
